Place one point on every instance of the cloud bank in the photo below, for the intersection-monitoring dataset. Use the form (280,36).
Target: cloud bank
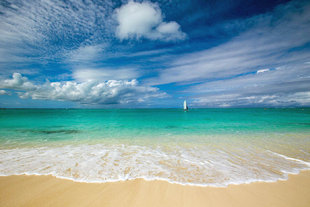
(279,87)
(89,92)
(144,20)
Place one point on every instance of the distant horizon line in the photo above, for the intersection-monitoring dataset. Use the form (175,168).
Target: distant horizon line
(295,107)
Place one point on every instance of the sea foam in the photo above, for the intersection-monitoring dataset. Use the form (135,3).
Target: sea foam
(200,165)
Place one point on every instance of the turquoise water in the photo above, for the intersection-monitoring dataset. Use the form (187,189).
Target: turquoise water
(62,124)
(200,147)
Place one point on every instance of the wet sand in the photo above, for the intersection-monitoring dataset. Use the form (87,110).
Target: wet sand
(50,191)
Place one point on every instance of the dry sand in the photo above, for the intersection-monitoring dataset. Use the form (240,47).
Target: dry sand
(49,191)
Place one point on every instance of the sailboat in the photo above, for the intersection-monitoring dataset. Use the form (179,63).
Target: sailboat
(185,106)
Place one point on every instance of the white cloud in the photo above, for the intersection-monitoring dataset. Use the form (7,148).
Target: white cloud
(89,92)
(274,39)
(236,99)
(103,74)
(263,66)
(146,53)
(17,82)
(262,70)
(37,31)
(280,87)
(166,28)
(302,98)
(137,20)
(3,92)
(85,53)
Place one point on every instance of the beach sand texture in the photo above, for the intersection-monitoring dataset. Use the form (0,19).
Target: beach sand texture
(50,191)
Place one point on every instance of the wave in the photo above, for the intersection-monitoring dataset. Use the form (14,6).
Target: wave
(187,165)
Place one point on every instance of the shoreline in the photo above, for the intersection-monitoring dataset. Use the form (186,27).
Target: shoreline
(46,190)
(159,180)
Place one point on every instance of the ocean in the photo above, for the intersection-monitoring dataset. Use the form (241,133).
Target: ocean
(203,147)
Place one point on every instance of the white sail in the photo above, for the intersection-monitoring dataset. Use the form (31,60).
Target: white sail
(185,106)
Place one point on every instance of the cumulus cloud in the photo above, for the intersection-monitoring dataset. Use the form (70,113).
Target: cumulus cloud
(17,82)
(137,20)
(89,92)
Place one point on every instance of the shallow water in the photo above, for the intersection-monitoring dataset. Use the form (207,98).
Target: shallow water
(213,147)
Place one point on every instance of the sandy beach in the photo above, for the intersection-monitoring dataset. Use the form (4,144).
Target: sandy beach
(51,191)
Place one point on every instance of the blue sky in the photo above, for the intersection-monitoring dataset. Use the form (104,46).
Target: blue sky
(239,53)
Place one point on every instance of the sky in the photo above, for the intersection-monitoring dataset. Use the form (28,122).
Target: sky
(146,54)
